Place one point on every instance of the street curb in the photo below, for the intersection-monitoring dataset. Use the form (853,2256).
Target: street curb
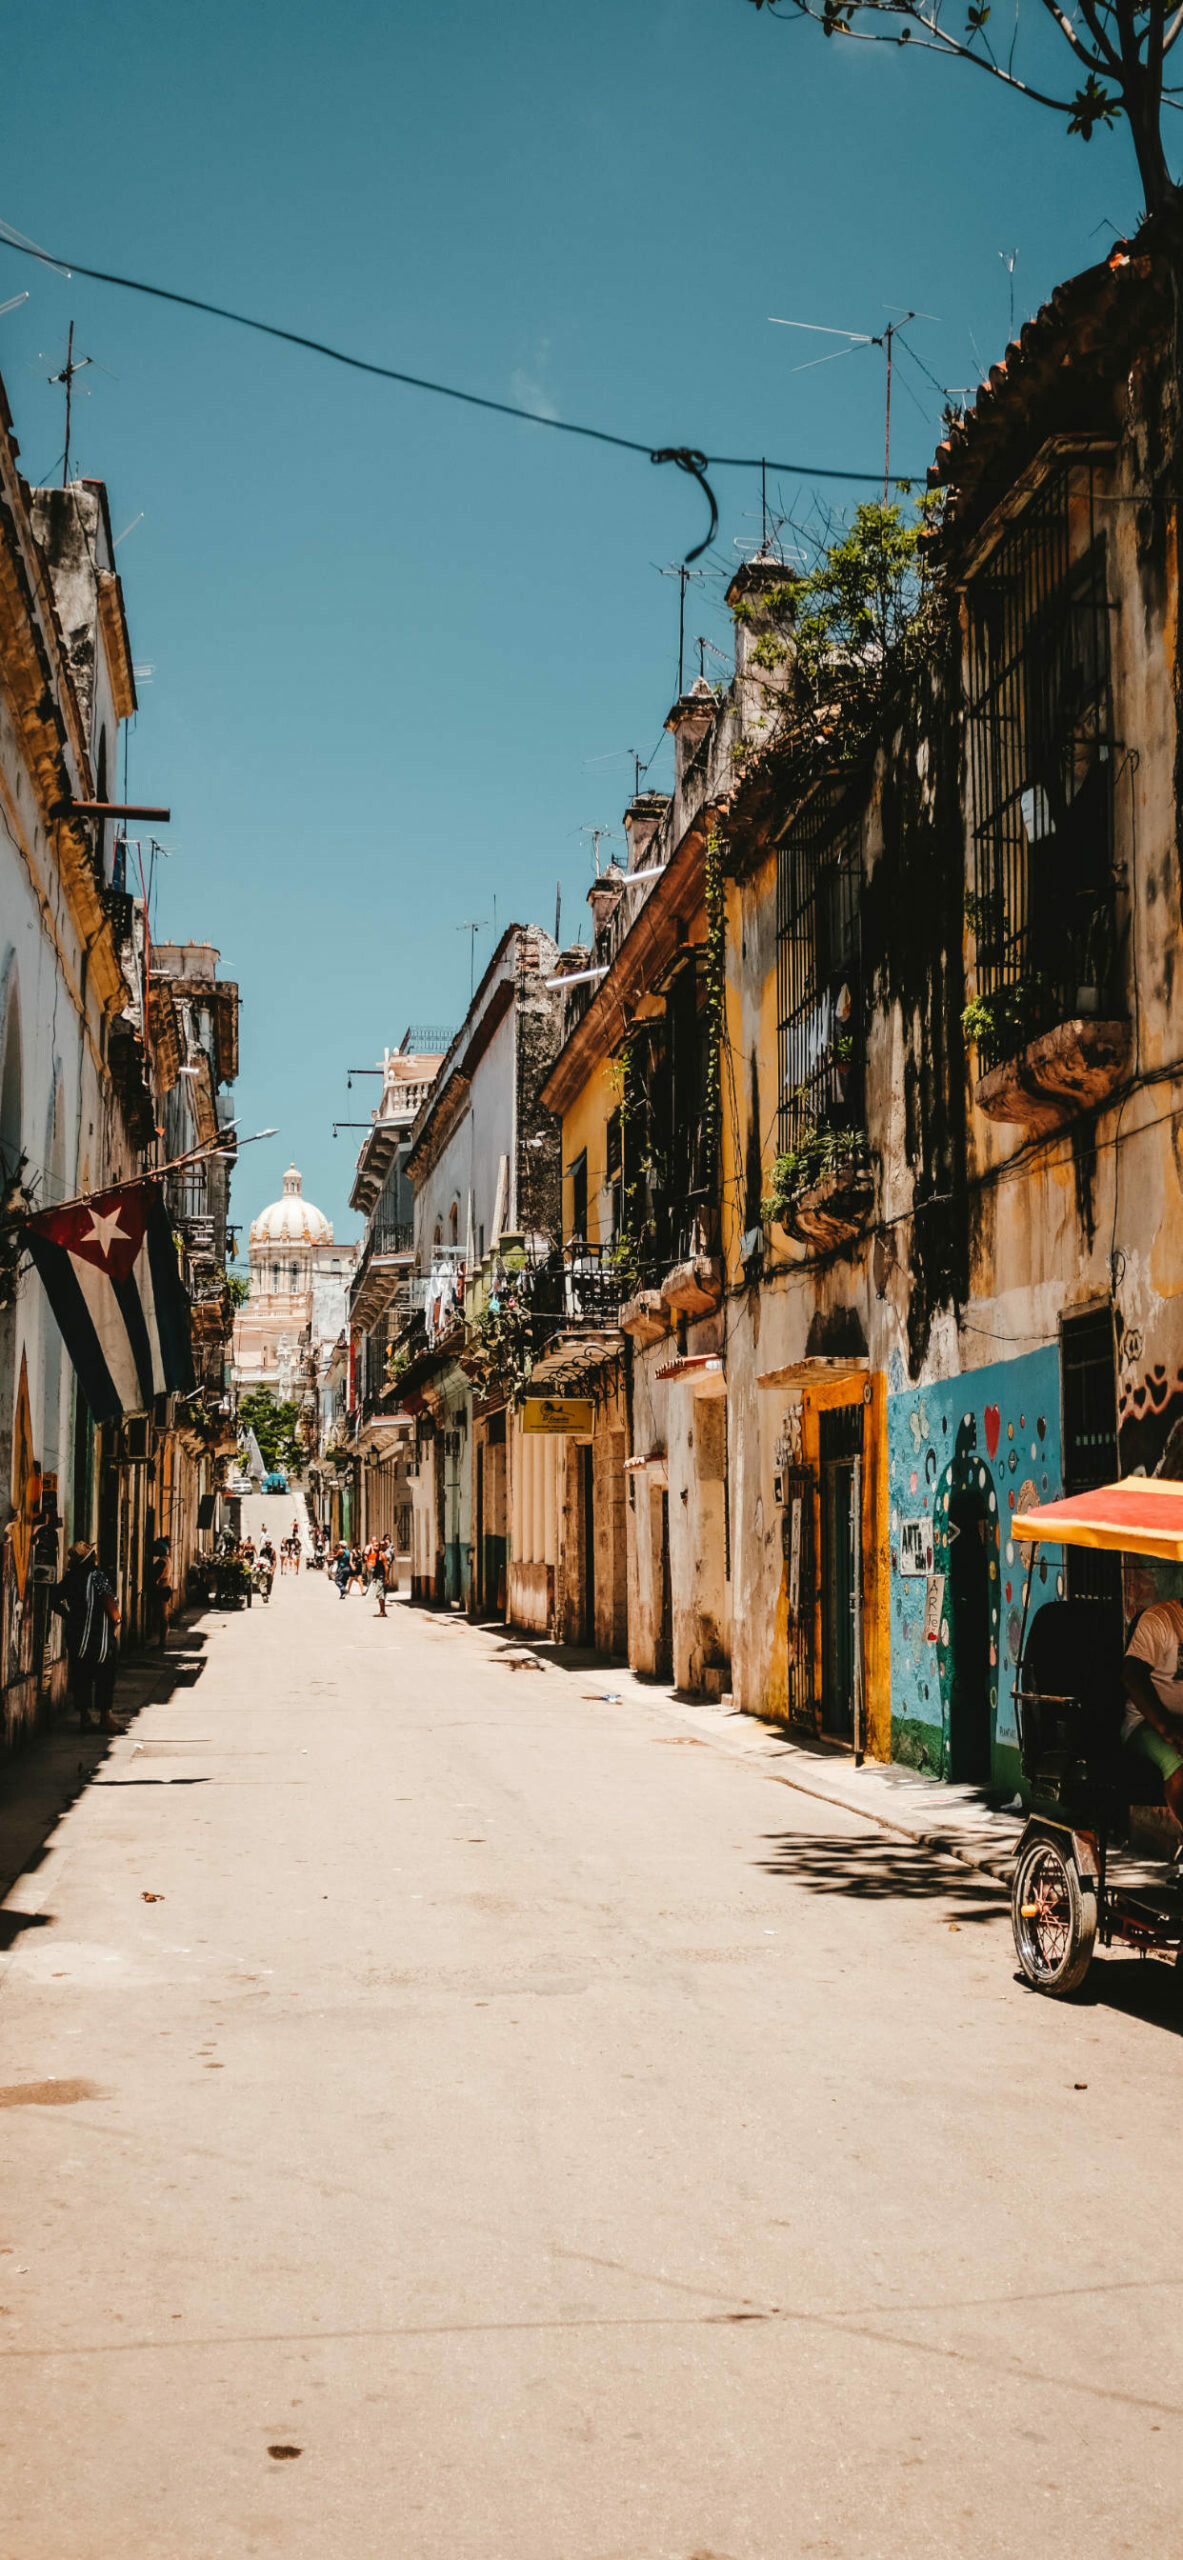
(940,1841)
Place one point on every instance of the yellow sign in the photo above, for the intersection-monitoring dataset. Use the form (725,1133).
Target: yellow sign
(26,1482)
(558,1413)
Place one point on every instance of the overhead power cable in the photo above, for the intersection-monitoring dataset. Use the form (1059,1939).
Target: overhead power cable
(688,458)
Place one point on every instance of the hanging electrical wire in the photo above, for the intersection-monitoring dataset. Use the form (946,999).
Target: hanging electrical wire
(688,458)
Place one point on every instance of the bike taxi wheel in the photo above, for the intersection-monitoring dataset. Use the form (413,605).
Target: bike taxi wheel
(1054,1919)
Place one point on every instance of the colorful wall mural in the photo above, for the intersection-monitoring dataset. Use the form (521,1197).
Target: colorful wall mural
(963,1456)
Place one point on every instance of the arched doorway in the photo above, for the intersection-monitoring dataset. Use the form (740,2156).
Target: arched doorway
(969,1601)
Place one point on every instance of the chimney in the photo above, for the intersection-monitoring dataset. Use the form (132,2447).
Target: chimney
(603,898)
(689,721)
(762,597)
(642,822)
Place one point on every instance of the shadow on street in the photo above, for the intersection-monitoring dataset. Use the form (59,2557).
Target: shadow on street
(879,1869)
(47,1776)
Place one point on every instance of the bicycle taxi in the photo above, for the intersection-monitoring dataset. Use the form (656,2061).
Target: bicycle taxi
(1096,1855)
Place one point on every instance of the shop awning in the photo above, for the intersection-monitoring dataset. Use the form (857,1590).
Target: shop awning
(702,1372)
(1141,1516)
(573,1365)
(818,1371)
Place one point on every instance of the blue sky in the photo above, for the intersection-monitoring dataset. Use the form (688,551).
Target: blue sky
(400,651)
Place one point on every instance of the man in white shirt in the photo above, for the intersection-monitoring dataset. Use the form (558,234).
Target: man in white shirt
(1153,1722)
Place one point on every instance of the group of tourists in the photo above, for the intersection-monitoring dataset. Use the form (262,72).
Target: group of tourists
(372,1569)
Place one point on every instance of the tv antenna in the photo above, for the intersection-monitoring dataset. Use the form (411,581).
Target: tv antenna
(1010,260)
(599,835)
(683,576)
(69,369)
(884,338)
(472,925)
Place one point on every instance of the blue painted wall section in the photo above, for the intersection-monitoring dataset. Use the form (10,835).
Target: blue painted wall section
(993,1433)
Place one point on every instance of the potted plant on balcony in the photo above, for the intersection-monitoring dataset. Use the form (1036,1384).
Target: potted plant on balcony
(823,1189)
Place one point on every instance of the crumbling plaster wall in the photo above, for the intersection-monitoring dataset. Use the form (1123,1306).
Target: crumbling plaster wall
(1097,1213)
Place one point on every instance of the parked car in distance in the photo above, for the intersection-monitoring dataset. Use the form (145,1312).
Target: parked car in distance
(276,1481)
(240,1485)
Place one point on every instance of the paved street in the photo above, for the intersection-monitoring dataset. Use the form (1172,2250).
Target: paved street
(454,2115)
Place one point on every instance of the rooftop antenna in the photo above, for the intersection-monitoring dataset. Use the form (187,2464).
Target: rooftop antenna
(683,576)
(598,835)
(66,375)
(702,644)
(472,925)
(1009,259)
(859,338)
(558,914)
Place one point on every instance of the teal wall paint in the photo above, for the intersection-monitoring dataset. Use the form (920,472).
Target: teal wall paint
(994,1432)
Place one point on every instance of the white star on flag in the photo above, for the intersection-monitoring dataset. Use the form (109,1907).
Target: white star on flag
(104,1232)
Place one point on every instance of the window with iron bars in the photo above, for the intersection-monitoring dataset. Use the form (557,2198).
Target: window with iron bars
(819,1039)
(1041,904)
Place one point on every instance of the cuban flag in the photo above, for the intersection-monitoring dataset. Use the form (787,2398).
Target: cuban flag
(111,1277)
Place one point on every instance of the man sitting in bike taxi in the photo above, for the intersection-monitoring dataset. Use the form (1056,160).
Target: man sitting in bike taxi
(1153,1675)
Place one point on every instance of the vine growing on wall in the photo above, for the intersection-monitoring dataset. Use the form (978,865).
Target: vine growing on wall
(628,1253)
(715,1007)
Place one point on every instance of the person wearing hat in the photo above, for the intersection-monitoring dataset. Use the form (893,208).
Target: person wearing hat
(85,1599)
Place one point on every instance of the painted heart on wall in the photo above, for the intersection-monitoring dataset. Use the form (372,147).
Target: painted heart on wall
(993,1421)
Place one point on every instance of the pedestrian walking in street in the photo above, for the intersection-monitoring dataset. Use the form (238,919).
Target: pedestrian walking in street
(378,1578)
(162,1590)
(85,1600)
(355,1569)
(341,1570)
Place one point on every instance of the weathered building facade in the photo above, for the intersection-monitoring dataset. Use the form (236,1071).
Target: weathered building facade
(91,1051)
(381,1446)
(483,1164)
(951,979)
(866,1200)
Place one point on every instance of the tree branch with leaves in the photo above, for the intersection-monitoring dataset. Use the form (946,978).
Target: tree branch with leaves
(1118,56)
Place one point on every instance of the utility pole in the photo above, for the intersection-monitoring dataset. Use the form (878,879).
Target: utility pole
(66,376)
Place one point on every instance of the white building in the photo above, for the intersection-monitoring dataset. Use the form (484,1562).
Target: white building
(299,1283)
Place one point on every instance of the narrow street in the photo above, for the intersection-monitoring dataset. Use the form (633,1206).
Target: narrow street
(453,2111)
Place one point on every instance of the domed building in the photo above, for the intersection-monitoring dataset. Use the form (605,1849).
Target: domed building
(299,1287)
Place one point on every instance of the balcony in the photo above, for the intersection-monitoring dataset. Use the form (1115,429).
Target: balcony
(1051,1040)
(695,1287)
(579,1291)
(823,1190)
(385,1260)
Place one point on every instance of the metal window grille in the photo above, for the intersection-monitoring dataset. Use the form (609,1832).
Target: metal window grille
(819,884)
(1042,765)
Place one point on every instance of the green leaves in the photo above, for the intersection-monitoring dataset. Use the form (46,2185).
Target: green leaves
(821,1152)
(865,604)
(1092,106)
